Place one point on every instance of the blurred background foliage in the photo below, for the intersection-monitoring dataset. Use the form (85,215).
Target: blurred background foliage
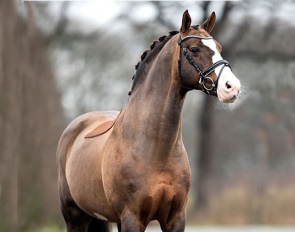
(55,65)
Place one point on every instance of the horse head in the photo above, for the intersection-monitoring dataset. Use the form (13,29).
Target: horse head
(200,64)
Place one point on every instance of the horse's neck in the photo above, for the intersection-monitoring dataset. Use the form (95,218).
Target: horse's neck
(154,108)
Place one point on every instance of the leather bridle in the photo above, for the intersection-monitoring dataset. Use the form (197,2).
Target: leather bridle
(203,75)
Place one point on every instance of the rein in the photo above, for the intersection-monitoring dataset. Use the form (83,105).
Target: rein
(203,75)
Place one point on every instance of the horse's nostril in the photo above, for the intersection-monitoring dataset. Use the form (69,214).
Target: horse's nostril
(228,85)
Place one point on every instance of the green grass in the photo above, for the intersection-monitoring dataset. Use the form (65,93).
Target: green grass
(47,229)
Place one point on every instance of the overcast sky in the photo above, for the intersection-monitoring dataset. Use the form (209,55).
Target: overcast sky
(95,14)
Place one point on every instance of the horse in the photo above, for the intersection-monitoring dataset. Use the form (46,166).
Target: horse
(131,167)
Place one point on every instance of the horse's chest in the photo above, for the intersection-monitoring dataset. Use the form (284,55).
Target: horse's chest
(147,185)
(135,176)
(153,189)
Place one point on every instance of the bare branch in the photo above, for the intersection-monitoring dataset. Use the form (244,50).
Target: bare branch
(63,20)
(160,14)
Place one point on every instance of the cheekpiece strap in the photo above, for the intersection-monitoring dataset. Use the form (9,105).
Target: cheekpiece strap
(210,69)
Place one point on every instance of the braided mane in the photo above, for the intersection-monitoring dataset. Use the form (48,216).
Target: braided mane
(155,48)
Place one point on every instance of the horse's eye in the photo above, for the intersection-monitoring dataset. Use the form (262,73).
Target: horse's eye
(195,49)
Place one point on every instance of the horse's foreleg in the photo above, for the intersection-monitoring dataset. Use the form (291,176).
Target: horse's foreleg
(177,225)
(131,223)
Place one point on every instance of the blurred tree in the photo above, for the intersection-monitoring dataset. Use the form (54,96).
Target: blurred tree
(205,153)
(91,66)
(31,121)
(252,145)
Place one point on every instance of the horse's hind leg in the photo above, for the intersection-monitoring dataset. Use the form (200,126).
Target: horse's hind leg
(97,225)
(119,227)
(76,219)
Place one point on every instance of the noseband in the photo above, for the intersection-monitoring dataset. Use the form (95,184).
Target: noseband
(203,75)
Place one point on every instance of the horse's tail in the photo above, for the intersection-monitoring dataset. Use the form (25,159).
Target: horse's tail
(98,225)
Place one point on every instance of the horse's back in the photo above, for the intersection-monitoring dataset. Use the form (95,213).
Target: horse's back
(80,126)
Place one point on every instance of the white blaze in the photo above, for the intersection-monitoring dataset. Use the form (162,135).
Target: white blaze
(226,71)
(226,76)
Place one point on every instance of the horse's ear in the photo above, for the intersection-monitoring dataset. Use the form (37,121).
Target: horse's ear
(186,22)
(209,22)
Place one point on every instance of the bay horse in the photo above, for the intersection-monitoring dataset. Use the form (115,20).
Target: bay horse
(137,170)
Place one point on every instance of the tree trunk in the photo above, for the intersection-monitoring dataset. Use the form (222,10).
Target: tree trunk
(204,163)
(31,121)
(206,143)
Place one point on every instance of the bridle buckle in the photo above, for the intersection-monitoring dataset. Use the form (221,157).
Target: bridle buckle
(204,84)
